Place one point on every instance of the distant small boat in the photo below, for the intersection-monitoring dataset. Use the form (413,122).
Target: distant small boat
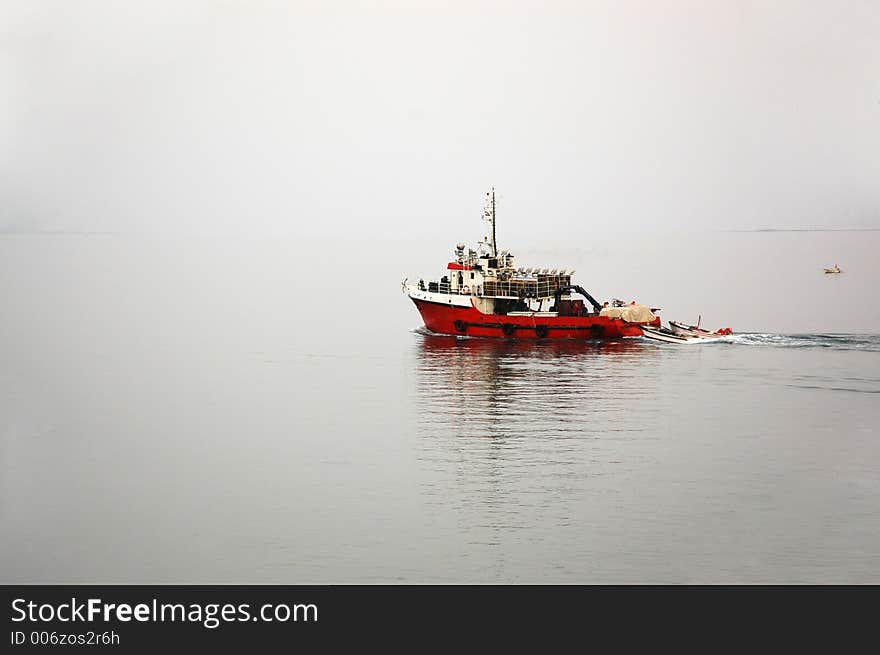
(686,330)
(833,269)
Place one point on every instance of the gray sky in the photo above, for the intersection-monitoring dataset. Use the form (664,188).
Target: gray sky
(291,118)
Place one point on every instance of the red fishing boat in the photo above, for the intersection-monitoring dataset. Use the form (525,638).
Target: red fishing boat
(484,294)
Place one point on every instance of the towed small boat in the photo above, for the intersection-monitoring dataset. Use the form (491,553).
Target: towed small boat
(833,269)
(664,334)
(683,329)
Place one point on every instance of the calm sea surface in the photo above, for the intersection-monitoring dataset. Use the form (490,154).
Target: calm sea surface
(211,410)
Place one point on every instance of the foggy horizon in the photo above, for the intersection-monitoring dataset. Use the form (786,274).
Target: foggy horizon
(269,119)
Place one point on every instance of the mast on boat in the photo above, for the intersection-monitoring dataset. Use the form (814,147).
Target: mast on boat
(489,214)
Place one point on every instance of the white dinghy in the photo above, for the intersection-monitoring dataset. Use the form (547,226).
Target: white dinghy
(686,330)
(665,335)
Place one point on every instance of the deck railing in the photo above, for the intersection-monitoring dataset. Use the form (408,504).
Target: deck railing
(540,288)
(543,287)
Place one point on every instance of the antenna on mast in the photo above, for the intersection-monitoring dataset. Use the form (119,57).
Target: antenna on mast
(489,214)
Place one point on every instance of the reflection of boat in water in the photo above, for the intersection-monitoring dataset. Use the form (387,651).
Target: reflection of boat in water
(487,387)
(515,429)
(484,294)
(833,269)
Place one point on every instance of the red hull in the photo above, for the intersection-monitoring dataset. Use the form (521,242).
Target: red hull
(446,319)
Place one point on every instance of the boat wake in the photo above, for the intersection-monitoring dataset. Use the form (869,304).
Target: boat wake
(860,342)
(425,332)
